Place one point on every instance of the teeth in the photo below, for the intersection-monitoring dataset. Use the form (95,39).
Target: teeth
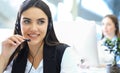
(33,35)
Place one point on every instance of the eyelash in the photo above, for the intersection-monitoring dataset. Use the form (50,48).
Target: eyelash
(41,22)
(26,21)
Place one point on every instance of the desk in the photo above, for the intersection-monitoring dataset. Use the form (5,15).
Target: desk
(93,70)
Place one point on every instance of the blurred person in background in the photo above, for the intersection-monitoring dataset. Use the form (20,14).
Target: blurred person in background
(110,30)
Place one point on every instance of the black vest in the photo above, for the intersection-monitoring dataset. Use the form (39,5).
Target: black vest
(52,56)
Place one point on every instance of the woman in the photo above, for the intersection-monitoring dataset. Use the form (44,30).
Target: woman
(34,47)
(110,30)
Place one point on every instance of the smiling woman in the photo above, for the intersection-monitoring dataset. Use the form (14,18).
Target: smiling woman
(43,53)
(34,26)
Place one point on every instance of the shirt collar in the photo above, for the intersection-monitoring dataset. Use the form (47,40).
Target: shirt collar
(113,39)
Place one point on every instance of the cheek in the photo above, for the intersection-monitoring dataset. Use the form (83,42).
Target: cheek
(109,28)
(45,27)
(112,28)
(104,28)
(44,30)
(23,30)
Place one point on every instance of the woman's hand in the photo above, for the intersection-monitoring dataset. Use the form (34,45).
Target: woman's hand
(10,45)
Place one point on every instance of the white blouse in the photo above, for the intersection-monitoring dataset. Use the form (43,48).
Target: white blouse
(70,63)
(105,57)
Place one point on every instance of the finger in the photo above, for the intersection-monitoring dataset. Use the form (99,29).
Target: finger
(9,43)
(12,43)
(15,40)
(20,38)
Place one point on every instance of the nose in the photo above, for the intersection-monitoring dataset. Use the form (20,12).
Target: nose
(34,27)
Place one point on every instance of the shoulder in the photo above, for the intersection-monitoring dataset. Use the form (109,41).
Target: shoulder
(100,42)
(70,54)
(66,52)
(61,47)
(70,51)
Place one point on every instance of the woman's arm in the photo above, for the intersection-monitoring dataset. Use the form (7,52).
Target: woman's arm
(3,62)
(8,47)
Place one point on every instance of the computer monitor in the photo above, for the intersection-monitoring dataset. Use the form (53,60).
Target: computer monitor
(81,35)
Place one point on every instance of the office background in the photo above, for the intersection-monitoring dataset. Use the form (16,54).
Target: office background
(80,20)
(63,10)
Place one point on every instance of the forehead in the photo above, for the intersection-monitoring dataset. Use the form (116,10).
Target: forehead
(34,12)
(107,19)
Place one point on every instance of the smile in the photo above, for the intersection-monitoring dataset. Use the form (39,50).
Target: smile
(33,35)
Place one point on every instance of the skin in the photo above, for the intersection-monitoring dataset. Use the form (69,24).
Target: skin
(8,47)
(108,28)
(34,24)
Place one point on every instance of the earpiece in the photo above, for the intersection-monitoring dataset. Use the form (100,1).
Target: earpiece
(50,26)
(17,28)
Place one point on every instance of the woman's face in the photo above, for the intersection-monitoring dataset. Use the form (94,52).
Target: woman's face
(108,27)
(34,24)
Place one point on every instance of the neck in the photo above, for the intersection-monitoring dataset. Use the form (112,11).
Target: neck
(110,37)
(36,55)
(35,49)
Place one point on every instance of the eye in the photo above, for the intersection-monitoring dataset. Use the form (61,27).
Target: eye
(41,22)
(26,21)
(108,24)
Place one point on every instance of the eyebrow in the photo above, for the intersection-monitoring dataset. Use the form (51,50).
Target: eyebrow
(26,18)
(41,19)
(37,19)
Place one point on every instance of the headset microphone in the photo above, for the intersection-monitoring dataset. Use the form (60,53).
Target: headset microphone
(27,40)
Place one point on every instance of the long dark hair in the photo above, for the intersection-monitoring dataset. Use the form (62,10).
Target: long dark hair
(50,38)
(115,21)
